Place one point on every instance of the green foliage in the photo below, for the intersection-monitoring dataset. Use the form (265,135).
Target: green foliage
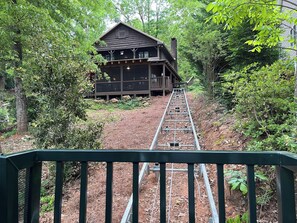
(129,104)
(47,203)
(238,180)
(4,118)
(7,115)
(202,44)
(59,132)
(265,105)
(9,133)
(239,219)
(50,42)
(265,16)
(196,87)
(241,54)
(150,16)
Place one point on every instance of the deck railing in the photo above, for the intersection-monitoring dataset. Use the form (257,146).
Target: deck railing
(157,83)
(133,85)
(31,162)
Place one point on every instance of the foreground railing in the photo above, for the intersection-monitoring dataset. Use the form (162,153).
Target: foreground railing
(11,165)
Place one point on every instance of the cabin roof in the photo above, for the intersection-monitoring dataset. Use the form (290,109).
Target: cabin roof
(158,42)
(121,23)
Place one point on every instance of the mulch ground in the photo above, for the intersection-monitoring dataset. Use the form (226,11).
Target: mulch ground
(135,129)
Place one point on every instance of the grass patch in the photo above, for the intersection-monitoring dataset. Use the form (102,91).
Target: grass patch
(196,87)
(8,134)
(114,104)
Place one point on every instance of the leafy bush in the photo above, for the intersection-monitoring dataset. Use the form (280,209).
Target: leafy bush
(238,180)
(265,105)
(239,219)
(47,203)
(128,104)
(59,133)
(4,119)
(196,87)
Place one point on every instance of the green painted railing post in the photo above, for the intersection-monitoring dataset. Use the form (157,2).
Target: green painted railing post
(285,195)
(8,191)
(33,187)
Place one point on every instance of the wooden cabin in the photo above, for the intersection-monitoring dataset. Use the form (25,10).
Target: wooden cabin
(137,64)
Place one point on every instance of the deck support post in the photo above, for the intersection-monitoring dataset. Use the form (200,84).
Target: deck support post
(285,195)
(171,82)
(158,52)
(149,78)
(163,80)
(8,191)
(33,193)
(122,79)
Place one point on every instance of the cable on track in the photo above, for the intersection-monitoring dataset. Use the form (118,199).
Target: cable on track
(176,131)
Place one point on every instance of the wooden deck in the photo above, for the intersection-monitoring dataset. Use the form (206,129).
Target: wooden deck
(132,87)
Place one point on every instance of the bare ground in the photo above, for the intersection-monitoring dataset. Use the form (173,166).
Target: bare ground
(135,130)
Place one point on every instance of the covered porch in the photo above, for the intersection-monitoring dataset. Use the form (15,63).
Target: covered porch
(134,77)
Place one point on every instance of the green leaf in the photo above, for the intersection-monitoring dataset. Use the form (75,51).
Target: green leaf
(243,188)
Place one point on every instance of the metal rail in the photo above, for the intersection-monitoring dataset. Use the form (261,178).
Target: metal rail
(128,211)
(175,112)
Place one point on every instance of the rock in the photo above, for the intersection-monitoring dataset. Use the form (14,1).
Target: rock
(100,101)
(114,100)
(126,97)
(145,104)
(26,138)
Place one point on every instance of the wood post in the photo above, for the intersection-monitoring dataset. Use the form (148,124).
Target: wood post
(95,90)
(122,79)
(163,80)
(158,52)
(149,79)
(171,82)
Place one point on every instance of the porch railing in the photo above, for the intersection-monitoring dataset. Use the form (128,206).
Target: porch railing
(157,83)
(12,165)
(134,85)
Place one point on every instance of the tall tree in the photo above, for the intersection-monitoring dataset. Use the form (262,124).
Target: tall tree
(202,44)
(29,25)
(147,15)
(268,18)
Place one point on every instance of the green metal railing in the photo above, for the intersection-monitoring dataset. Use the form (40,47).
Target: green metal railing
(10,165)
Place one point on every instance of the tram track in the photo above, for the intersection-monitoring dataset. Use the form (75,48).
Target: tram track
(176,131)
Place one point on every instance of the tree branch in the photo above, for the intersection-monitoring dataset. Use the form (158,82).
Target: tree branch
(288,48)
(290,2)
(264,4)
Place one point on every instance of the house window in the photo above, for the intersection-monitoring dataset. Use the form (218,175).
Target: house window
(107,57)
(135,72)
(110,74)
(144,54)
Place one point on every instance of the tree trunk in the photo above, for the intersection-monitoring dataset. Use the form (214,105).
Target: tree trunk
(21,101)
(2,83)
(21,106)
(295,92)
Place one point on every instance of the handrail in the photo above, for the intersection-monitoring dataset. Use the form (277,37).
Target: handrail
(124,81)
(27,158)
(286,165)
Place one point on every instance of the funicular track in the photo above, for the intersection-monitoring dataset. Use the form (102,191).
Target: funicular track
(176,131)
